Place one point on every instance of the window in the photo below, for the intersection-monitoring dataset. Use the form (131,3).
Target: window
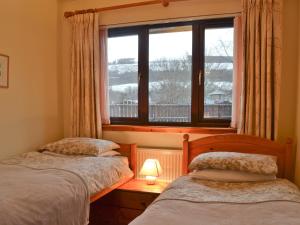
(123,76)
(218,69)
(172,74)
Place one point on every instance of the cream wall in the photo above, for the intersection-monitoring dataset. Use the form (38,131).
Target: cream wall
(288,101)
(297,170)
(29,109)
(290,85)
(287,111)
(193,8)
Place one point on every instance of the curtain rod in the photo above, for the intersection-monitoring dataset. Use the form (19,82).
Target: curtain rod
(172,19)
(165,3)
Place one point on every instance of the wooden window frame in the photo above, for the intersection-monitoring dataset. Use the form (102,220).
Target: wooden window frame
(197,95)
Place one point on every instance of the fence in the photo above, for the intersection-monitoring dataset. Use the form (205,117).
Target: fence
(170,112)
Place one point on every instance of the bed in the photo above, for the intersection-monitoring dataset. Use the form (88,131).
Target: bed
(205,202)
(46,188)
(128,151)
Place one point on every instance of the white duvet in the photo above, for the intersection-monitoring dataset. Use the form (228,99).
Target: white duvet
(97,172)
(42,197)
(190,202)
(53,189)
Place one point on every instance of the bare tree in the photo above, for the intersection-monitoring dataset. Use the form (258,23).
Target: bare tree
(170,78)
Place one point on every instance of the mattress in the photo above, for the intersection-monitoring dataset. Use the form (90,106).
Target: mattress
(97,173)
(189,201)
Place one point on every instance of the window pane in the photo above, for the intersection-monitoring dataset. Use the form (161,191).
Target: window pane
(123,76)
(170,63)
(218,73)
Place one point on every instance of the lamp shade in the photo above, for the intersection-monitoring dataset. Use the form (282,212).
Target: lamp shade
(151,167)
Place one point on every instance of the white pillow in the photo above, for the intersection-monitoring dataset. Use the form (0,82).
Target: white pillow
(244,162)
(229,176)
(80,146)
(109,153)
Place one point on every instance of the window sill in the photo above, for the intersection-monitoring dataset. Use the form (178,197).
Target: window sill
(166,129)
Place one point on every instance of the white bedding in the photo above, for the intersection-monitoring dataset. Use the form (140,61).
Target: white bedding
(42,197)
(97,172)
(191,202)
(53,189)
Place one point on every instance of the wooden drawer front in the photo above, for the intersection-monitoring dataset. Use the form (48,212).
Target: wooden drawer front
(110,215)
(127,215)
(102,215)
(133,200)
(120,207)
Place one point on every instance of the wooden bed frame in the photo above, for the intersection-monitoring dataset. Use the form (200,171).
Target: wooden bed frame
(128,150)
(243,144)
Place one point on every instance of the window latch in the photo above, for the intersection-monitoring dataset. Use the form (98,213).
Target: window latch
(139,78)
(200,77)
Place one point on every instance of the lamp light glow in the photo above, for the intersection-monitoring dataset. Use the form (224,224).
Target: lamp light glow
(151,169)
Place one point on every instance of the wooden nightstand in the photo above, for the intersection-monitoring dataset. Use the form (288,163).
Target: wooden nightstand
(125,203)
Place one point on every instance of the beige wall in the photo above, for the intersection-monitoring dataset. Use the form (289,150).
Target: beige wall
(193,8)
(287,113)
(288,101)
(297,170)
(29,109)
(290,79)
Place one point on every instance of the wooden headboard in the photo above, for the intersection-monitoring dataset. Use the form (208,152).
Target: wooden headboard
(243,144)
(129,150)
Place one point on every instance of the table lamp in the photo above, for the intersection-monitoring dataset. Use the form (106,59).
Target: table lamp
(151,169)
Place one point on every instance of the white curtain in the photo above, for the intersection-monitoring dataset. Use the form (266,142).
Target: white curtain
(88,87)
(262,67)
(104,97)
(237,72)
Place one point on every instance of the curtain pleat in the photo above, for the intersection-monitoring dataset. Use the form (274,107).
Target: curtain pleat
(237,72)
(85,77)
(261,67)
(104,97)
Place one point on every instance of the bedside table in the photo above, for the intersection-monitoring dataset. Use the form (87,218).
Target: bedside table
(142,186)
(125,203)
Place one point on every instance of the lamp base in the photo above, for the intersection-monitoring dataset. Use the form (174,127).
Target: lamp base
(150,180)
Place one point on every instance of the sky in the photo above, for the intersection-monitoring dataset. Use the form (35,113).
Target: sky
(167,45)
